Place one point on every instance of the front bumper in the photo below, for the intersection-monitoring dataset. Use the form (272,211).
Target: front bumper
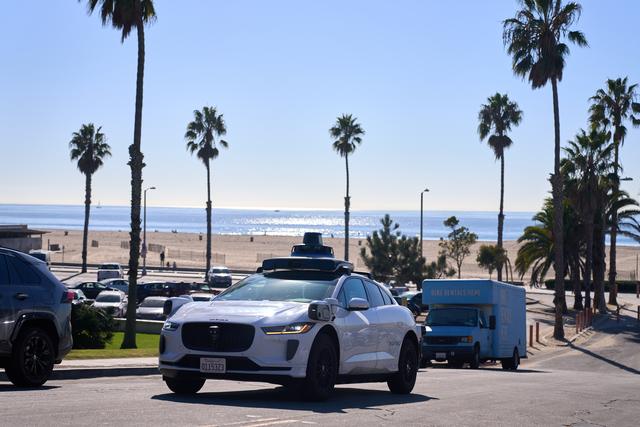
(450,352)
(280,356)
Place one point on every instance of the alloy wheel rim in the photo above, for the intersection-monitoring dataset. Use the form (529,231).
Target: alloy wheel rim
(37,357)
(324,368)
(409,366)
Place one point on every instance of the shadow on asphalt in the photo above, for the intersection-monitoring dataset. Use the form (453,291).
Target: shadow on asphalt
(492,368)
(281,398)
(8,388)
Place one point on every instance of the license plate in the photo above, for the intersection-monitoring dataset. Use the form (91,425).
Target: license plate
(213,365)
(441,355)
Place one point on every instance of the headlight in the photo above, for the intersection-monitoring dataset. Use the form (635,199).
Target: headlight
(294,328)
(468,339)
(170,326)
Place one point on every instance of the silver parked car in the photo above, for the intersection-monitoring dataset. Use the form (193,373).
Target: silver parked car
(219,277)
(113,302)
(152,309)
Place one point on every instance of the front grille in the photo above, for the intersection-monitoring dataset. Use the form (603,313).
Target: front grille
(442,340)
(222,337)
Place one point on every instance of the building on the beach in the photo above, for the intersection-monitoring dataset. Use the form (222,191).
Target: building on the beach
(20,237)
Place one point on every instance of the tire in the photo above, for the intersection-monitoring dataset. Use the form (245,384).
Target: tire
(403,381)
(474,363)
(184,386)
(32,360)
(322,369)
(455,364)
(424,362)
(513,362)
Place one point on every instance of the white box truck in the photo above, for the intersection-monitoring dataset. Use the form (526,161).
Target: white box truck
(471,321)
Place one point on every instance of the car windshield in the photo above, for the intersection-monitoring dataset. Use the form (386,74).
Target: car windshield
(220,271)
(296,286)
(109,267)
(452,317)
(108,298)
(152,303)
(201,298)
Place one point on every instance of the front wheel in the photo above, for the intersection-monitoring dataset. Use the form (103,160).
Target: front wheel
(322,369)
(475,359)
(513,362)
(32,360)
(184,385)
(403,381)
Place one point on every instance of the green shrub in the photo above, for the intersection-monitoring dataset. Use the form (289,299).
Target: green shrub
(92,328)
(624,286)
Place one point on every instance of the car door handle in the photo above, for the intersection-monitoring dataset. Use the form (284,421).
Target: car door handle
(21,296)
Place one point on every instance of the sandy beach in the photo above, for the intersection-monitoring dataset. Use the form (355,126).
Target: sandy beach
(247,252)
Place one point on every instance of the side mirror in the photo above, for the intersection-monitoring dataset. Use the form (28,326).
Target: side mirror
(492,322)
(167,307)
(320,310)
(358,304)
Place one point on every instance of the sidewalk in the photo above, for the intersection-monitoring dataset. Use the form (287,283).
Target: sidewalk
(94,368)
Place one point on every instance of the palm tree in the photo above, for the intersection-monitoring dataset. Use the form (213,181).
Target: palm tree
(611,108)
(586,165)
(497,117)
(348,135)
(201,135)
(535,38)
(89,147)
(125,15)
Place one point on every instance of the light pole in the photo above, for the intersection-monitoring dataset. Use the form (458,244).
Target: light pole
(144,234)
(426,190)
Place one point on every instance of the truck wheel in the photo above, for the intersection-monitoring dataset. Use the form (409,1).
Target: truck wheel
(513,362)
(32,359)
(322,369)
(403,381)
(184,385)
(454,364)
(475,359)
(424,362)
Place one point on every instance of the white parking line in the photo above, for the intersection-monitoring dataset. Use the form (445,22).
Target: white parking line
(272,423)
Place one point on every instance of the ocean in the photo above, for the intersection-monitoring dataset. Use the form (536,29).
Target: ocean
(265,222)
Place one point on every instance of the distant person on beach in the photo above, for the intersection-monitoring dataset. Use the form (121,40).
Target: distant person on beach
(161,259)
(175,266)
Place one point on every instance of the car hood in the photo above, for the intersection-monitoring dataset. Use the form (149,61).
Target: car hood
(255,312)
(150,310)
(440,331)
(106,304)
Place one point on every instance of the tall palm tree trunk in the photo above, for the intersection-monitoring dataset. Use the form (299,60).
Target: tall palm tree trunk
(613,286)
(136,163)
(87,209)
(588,268)
(501,214)
(577,286)
(208,217)
(558,226)
(347,203)
(599,268)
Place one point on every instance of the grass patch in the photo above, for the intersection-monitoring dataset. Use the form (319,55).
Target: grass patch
(147,347)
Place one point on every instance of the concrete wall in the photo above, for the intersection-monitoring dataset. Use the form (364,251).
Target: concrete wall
(22,244)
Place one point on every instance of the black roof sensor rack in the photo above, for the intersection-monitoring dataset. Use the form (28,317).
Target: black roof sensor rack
(306,263)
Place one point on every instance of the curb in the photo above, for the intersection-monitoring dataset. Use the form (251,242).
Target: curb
(87,373)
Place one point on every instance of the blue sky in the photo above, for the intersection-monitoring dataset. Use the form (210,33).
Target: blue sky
(414,72)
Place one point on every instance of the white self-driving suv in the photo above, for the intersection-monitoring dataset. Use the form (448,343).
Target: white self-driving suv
(307,323)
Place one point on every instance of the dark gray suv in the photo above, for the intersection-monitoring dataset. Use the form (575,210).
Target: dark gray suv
(35,319)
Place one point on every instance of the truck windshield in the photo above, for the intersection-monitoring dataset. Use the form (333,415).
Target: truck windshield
(452,317)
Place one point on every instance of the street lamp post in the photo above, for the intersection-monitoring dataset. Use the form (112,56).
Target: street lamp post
(426,190)
(144,233)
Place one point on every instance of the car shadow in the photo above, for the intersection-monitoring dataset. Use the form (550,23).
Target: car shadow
(281,398)
(8,388)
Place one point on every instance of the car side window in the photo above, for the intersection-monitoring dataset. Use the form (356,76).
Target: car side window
(375,297)
(387,299)
(20,272)
(4,271)
(352,288)
(483,320)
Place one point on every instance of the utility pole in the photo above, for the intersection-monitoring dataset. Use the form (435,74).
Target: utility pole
(426,190)
(144,234)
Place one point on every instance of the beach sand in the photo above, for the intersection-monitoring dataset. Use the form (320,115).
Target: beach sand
(239,252)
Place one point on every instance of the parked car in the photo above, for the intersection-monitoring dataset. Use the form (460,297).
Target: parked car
(307,323)
(110,270)
(398,290)
(149,289)
(173,289)
(113,302)
(78,297)
(200,296)
(151,308)
(219,277)
(35,319)
(90,289)
(203,287)
(121,285)
(42,255)
(414,302)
